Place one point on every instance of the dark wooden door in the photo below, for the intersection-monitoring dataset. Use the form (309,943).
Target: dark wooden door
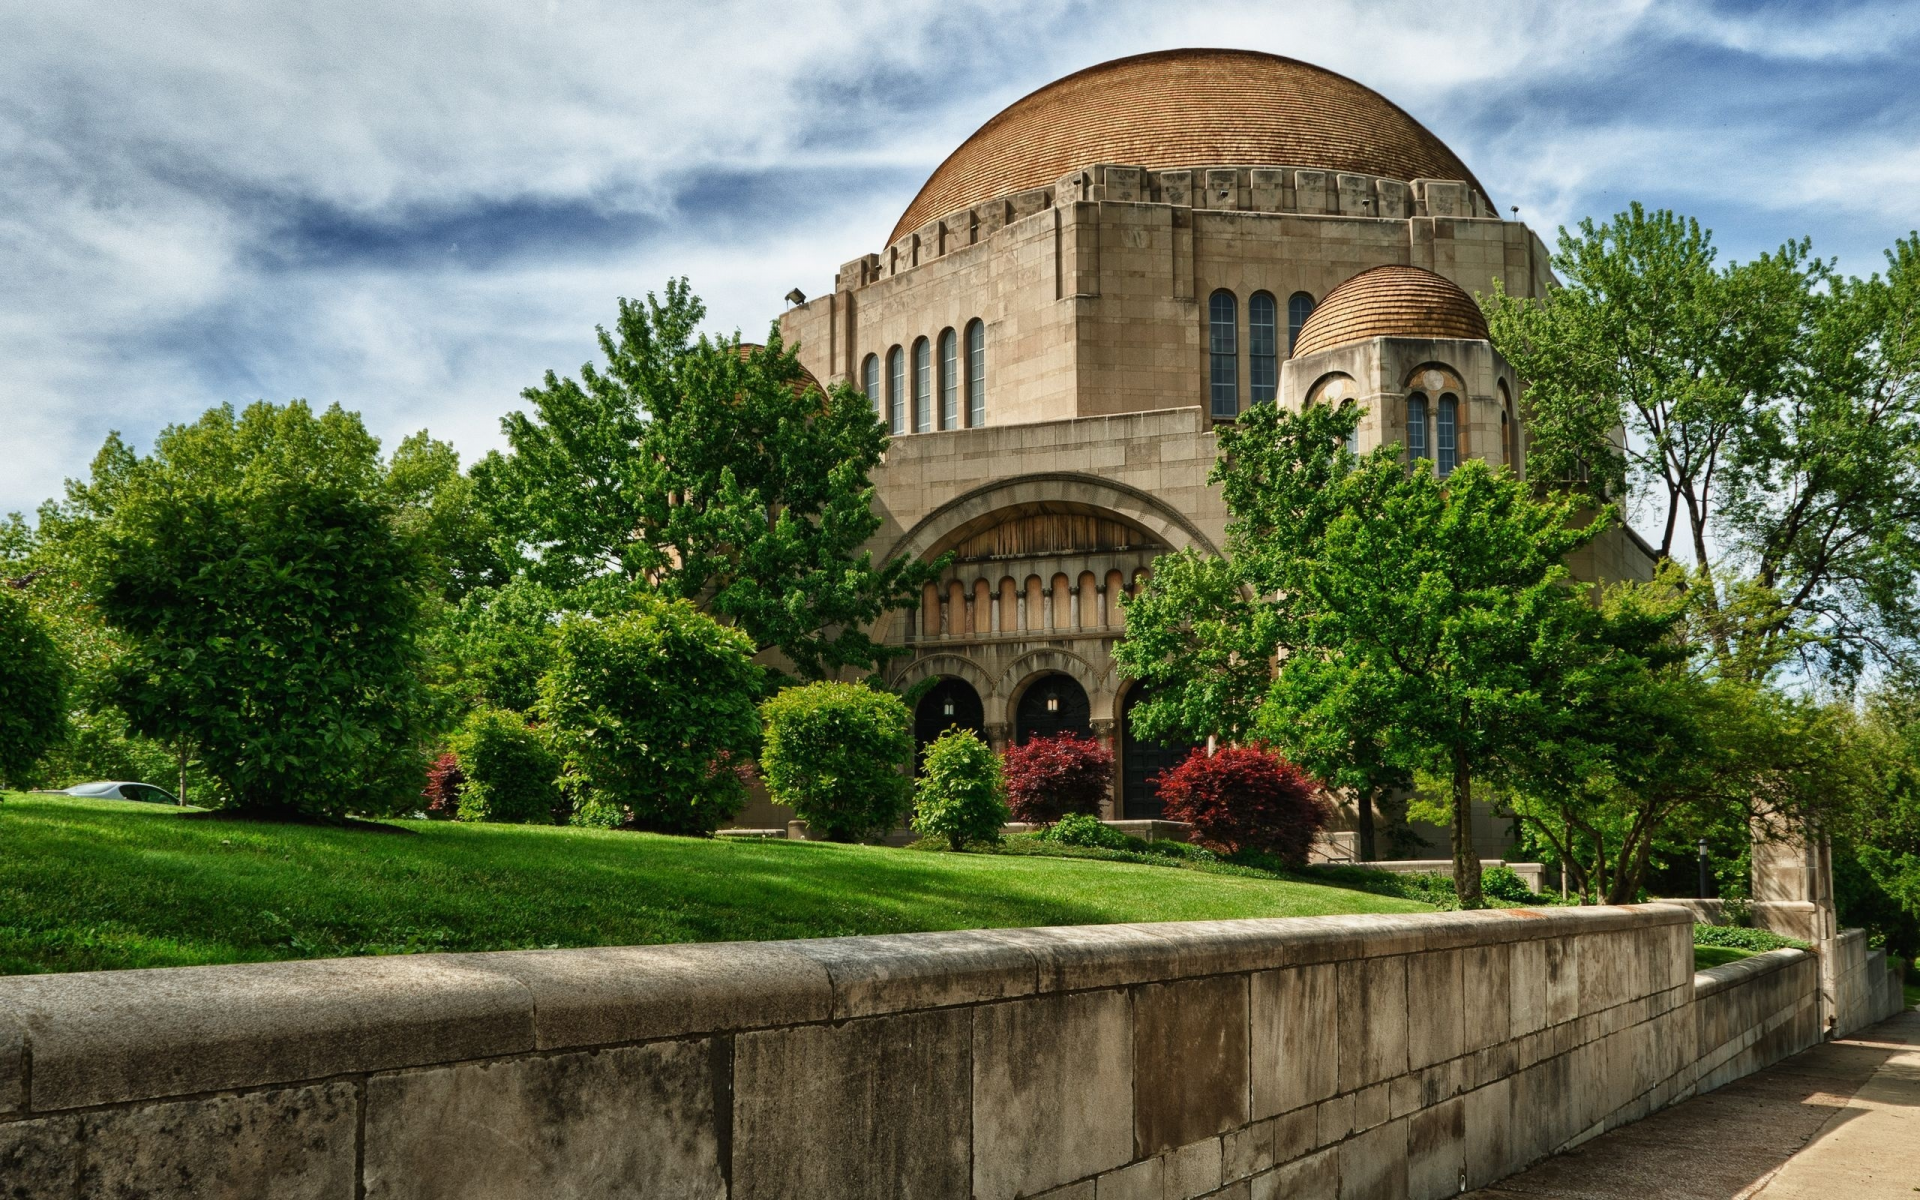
(1141,760)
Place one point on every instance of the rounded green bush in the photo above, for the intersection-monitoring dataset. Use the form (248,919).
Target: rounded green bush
(1083,829)
(508,771)
(653,709)
(960,795)
(833,753)
(33,688)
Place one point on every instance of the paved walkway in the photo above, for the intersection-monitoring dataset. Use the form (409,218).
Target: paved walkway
(1841,1120)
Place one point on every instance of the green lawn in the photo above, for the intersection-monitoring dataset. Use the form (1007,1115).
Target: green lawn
(94,885)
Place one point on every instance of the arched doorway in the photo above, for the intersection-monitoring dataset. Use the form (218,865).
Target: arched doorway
(951,703)
(1053,704)
(1141,760)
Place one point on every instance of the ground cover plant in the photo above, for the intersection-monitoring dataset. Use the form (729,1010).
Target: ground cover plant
(1716,945)
(90,885)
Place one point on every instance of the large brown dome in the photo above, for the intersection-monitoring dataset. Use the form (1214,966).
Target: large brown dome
(1185,108)
(1391,302)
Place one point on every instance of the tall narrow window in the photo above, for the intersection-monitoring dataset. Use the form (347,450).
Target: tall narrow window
(922,385)
(977,373)
(1446,435)
(870,383)
(949,381)
(1416,426)
(1223,345)
(1299,308)
(1506,441)
(897,391)
(1263,347)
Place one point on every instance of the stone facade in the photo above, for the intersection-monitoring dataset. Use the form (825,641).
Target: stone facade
(1391,1056)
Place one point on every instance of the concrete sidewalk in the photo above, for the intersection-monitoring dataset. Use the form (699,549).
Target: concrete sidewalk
(1839,1120)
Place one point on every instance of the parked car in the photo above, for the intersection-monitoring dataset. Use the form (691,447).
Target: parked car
(121,790)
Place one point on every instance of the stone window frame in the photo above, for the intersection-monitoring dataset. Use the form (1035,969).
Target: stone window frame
(1223,354)
(949,381)
(976,373)
(1263,348)
(922,382)
(896,384)
(870,384)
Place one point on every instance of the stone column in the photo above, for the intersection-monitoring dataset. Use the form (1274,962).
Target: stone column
(1020,605)
(993,610)
(1103,730)
(999,736)
(1074,611)
(1046,602)
(1100,602)
(1793,895)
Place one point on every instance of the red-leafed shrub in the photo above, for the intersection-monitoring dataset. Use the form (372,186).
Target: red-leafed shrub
(1245,798)
(1049,777)
(442,792)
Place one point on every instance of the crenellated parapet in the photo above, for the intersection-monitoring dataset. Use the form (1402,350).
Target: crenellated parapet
(1292,190)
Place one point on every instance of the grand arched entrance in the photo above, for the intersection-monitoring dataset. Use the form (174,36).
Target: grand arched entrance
(1052,704)
(952,703)
(1141,760)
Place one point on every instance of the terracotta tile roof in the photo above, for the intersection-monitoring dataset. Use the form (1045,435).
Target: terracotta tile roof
(1391,302)
(1184,108)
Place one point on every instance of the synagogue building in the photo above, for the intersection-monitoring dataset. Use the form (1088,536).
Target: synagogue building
(1086,289)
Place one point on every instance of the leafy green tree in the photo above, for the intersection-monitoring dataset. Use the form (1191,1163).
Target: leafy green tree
(494,645)
(652,707)
(1771,413)
(508,773)
(712,471)
(835,753)
(438,507)
(1426,619)
(263,604)
(960,794)
(33,690)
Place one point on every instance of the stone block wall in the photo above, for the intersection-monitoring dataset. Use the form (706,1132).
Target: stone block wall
(1753,1012)
(1379,1056)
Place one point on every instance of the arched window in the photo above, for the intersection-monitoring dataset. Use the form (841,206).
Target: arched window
(1223,346)
(870,383)
(1416,426)
(1507,428)
(1446,440)
(897,391)
(922,384)
(1299,308)
(977,372)
(1263,347)
(949,380)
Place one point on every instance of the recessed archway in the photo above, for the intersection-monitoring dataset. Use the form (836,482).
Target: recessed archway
(950,704)
(1052,704)
(1141,760)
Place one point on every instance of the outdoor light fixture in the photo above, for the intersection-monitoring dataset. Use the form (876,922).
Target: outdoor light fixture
(947,709)
(1053,701)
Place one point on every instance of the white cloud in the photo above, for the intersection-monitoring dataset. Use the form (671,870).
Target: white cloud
(212,202)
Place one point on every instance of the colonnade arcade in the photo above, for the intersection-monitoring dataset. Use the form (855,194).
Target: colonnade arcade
(1017,633)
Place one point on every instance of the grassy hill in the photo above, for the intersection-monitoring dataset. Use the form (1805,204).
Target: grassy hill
(95,885)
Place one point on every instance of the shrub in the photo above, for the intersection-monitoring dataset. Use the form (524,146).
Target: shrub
(961,795)
(33,688)
(509,771)
(442,792)
(1049,777)
(654,708)
(1245,798)
(1734,937)
(833,753)
(1079,829)
(1504,883)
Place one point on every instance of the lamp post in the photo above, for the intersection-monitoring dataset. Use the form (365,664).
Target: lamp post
(1704,892)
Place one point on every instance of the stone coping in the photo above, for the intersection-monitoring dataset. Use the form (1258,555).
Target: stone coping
(79,1040)
(1743,970)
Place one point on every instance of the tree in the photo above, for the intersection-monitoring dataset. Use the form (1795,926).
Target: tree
(961,794)
(1049,777)
(33,690)
(1771,413)
(652,708)
(836,754)
(714,472)
(264,602)
(1246,798)
(1417,623)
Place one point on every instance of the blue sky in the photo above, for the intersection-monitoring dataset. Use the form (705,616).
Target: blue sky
(415,210)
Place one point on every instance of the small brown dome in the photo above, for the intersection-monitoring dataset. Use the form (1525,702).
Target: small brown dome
(1407,302)
(1185,108)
